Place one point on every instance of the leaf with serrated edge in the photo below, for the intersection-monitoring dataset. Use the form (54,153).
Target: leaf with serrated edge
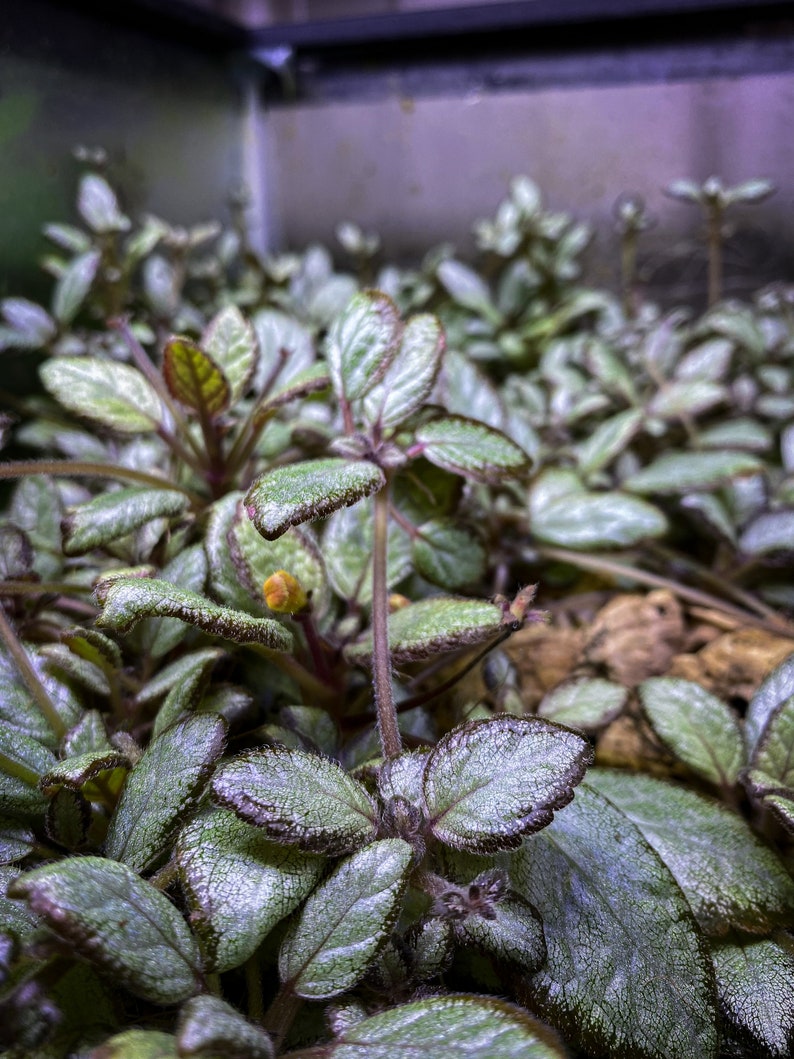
(361,343)
(755,984)
(628,973)
(119,922)
(468,447)
(112,394)
(239,884)
(166,784)
(208,1027)
(447,1027)
(194,378)
(402,777)
(341,928)
(112,515)
(411,376)
(187,570)
(230,340)
(730,878)
(297,798)
(514,933)
(128,600)
(587,704)
(433,626)
(487,783)
(696,726)
(303,492)
(776,688)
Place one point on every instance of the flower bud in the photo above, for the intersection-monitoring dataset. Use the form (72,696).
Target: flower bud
(284,593)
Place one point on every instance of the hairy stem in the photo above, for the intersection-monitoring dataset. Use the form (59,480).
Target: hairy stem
(253,985)
(381,656)
(30,677)
(89,469)
(281,1014)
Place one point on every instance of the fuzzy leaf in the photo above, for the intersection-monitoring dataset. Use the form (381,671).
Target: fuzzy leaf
(627,973)
(128,600)
(574,518)
(94,647)
(448,555)
(32,326)
(411,376)
(73,286)
(187,570)
(745,435)
(696,726)
(361,343)
(208,1027)
(514,933)
(468,447)
(467,288)
(608,440)
(111,394)
(587,704)
(16,842)
(403,777)
(165,786)
(230,341)
(433,626)
(487,783)
(772,796)
(18,708)
(771,532)
(777,687)
(677,473)
(755,983)
(98,205)
(297,798)
(176,673)
(730,878)
(303,492)
(774,754)
(686,397)
(194,378)
(446,1027)
(117,921)
(93,774)
(185,695)
(23,761)
(339,931)
(112,515)
(286,347)
(36,508)
(239,884)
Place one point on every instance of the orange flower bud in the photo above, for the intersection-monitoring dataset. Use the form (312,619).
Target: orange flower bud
(397,602)
(284,593)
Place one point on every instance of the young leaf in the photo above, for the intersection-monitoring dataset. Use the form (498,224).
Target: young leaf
(119,922)
(512,932)
(777,687)
(18,709)
(32,326)
(403,777)
(185,694)
(230,341)
(73,286)
(447,1027)
(608,440)
(411,376)
(112,515)
(627,973)
(772,796)
(303,492)
(208,1027)
(239,884)
(467,288)
(730,878)
(111,394)
(345,922)
(297,798)
(448,555)
(128,600)
(755,984)
(361,343)
(163,788)
(587,704)
(98,205)
(696,726)
(194,378)
(472,449)
(487,783)
(433,626)
(677,473)
(94,774)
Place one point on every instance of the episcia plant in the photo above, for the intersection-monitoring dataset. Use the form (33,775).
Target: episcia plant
(241,813)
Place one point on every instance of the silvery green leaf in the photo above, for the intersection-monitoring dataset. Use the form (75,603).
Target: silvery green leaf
(330,299)
(128,600)
(73,286)
(89,734)
(730,878)
(161,286)
(36,508)
(710,509)
(433,626)
(185,695)
(68,819)
(239,884)
(687,190)
(448,554)
(303,383)
(585,520)
(33,326)
(769,793)
(472,449)
(94,647)
(18,708)
(468,391)
(68,237)
(410,377)
(751,191)
(98,205)
(512,932)
(224,582)
(230,340)
(740,325)
(769,533)
(117,921)
(774,752)
(187,570)
(627,973)
(346,921)
(166,785)
(755,985)
(685,397)
(138,1044)
(17,840)
(708,360)
(347,550)
(589,704)
(111,394)
(361,343)
(468,289)
(607,441)
(297,798)
(446,1027)
(16,553)
(696,726)
(403,776)
(302,492)
(96,774)
(23,762)
(742,435)
(16,919)
(678,473)
(286,347)
(775,689)
(112,515)
(315,726)
(487,783)
(209,1027)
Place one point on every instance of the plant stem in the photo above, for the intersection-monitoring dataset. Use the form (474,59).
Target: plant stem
(89,469)
(43,588)
(381,656)
(302,677)
(715,253)
(30,677)
(253,983)
(281,1014)
(315,645)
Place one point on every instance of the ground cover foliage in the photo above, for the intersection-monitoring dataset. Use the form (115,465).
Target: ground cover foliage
(290,762)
